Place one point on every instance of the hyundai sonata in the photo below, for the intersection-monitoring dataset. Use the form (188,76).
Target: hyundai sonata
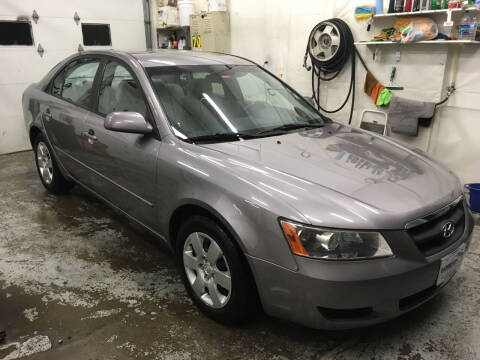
(263,201)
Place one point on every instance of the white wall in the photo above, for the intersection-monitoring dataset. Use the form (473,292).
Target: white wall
(58,34)
(277,31)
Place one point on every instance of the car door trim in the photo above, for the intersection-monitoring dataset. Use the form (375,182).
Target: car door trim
(106,178)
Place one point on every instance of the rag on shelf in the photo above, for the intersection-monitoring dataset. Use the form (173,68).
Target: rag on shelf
(404,115)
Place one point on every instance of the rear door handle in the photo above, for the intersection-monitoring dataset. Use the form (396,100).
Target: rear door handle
(47,115)
(90,134)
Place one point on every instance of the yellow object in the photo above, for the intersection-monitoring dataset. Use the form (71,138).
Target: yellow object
(363,16)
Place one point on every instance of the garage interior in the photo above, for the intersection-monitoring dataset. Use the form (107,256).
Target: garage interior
(80,281)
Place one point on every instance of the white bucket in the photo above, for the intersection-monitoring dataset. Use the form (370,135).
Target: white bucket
(185,9)
(217,5)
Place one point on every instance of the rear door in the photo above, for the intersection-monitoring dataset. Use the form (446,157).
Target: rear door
(65,112)
(122,164)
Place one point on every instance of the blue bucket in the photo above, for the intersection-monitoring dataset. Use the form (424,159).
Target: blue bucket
(474,190)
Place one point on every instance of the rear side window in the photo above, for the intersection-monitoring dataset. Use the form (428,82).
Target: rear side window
(119,91)
(75,82)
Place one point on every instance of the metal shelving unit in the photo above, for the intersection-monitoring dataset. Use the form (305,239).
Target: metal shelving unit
(422,12)
(444,12)
(429,42)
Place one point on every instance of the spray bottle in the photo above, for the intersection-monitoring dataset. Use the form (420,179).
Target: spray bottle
(379,7)
(399,5)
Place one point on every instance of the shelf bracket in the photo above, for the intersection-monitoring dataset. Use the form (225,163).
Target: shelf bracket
(449,15)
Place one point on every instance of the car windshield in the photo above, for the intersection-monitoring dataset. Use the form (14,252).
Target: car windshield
(224,103)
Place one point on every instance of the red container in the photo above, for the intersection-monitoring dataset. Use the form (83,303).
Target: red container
(408,6)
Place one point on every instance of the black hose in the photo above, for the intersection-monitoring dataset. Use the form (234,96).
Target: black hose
(330,69)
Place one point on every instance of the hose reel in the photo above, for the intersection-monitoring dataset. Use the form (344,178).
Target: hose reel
(330,46)
(324,41)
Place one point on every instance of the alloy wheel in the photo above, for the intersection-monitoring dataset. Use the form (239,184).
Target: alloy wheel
(44,163)
(207,270)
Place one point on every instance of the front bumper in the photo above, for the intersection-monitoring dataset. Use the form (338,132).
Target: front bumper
(348,294)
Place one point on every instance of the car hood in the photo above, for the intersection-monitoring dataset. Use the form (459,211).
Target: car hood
(341,176)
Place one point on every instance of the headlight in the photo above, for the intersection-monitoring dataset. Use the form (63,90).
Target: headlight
(334,244)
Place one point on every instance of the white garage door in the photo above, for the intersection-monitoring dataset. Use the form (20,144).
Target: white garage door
(59,35)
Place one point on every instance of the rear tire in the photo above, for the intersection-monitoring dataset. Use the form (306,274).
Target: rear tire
(47,167)
(215,272)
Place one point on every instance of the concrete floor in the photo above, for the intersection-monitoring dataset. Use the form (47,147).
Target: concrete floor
(77,281)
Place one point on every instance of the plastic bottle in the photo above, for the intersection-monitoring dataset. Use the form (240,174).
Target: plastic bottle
(465,27)
(379,7)
(399,5)
(408,6)
(391,6)
(473,27)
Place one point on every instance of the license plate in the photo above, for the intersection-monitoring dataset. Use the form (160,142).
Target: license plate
(450,264)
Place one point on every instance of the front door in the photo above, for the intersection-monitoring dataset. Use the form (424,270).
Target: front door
(122,164)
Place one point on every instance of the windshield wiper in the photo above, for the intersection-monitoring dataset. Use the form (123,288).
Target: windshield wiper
(292,126)
(220,137)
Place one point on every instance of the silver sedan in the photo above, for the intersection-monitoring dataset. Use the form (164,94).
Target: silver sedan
(265,202)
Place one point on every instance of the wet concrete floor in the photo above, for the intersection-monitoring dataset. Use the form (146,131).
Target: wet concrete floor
(78,281)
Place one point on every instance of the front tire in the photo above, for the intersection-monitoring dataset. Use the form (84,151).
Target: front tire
(47,168)
(215,272)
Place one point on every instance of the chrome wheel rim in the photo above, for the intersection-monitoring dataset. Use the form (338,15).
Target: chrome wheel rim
(325,41)
(207,270)
(44,163)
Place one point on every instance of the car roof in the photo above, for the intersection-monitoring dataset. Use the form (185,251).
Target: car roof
(167,57)
(170,57)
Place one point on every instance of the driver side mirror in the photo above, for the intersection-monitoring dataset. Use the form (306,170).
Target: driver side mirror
(127,122)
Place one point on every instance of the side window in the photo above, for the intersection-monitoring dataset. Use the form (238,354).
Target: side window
(75,82)
(119,91)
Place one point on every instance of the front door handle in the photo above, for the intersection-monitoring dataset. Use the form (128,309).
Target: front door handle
(90,134)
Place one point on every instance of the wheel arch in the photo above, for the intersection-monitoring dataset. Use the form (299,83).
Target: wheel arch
(33,133)
(194,207)
(191,208)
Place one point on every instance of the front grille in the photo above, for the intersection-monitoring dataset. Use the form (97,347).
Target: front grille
(429,236)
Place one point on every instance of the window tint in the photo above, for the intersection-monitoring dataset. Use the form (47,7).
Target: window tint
(119,91)
(75,82)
